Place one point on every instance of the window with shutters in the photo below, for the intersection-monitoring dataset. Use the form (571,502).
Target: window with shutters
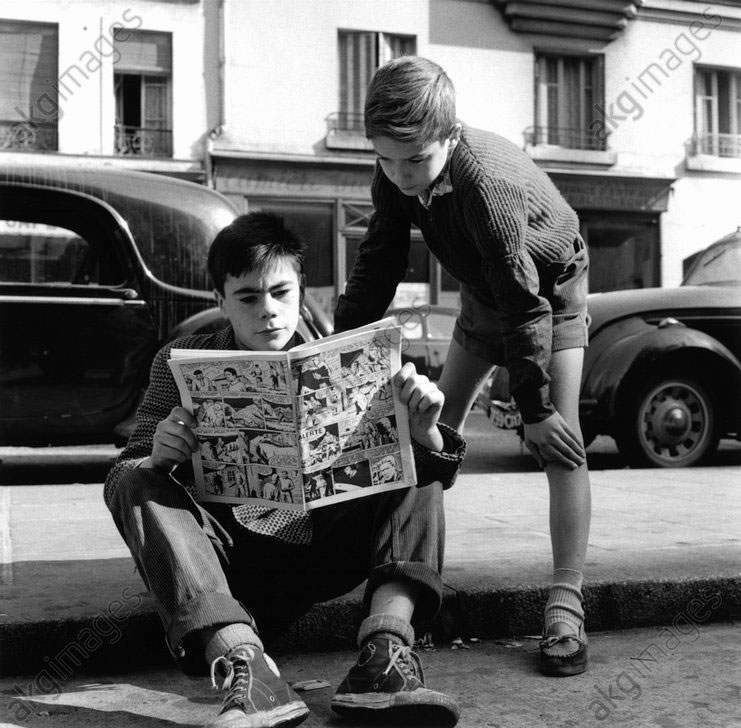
(143,88)
(568,96)
(360,54)
(29,95)
(717,112)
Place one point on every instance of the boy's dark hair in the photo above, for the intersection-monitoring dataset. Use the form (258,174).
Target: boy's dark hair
(253,242)
(410,99)
(232,370)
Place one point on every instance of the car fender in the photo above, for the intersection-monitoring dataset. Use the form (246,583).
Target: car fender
(641,350)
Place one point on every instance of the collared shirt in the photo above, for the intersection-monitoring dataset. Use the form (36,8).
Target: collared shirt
(441,186)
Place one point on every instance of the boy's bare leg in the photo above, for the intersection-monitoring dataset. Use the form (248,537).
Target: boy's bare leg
(462,377)
(570,497)
(396,598)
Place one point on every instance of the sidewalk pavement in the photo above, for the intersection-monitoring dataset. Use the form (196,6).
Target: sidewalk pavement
(642,678)
(665,548)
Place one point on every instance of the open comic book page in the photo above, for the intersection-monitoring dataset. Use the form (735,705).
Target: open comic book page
(353,431)
(298,429)
(248,443)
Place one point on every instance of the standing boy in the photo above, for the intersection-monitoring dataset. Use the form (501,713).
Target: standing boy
(206,565)
(500,227)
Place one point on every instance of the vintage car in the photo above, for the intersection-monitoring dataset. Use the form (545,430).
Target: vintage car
(662,374)
(427,331)
(98,267)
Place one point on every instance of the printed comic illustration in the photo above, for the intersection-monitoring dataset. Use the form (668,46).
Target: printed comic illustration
(299,429)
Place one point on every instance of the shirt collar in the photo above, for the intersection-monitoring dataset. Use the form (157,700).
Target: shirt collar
(441,186)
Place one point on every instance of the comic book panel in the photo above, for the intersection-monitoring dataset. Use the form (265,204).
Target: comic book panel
(247,411)
(312,374)
(366,433)
(199,378)
(272,448)
(234,482)
(386,469)
(320,445)
(212,478)
(226,447)
(209,412)
(265,484)
(277,484)
(318,485)
(265,375)
(351,476)
(278,412)
(319,407)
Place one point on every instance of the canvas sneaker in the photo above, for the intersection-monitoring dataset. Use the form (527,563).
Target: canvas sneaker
(387,683)
(256,695)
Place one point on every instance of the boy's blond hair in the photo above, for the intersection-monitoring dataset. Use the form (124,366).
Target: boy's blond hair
(410,99)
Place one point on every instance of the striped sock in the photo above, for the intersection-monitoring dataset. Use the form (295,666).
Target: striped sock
(386,625)
(564,605)
(227,638)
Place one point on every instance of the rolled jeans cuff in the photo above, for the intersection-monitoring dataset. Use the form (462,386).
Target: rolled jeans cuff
(204,611)
(428,582)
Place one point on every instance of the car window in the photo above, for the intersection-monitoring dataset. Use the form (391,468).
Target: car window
(52,237)
(411,323)
(38,253)
(440,326)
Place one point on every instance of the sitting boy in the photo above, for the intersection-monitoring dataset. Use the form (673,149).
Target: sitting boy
(218,571)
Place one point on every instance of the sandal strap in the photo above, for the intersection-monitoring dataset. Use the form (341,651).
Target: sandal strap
(552,640)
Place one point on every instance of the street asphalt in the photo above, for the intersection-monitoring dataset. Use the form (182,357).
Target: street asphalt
(662,576)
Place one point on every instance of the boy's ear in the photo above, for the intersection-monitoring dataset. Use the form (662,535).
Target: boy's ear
(219,301)
(455,133)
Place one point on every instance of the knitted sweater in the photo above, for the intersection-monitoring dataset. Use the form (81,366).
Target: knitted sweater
(286,525)
(503,222)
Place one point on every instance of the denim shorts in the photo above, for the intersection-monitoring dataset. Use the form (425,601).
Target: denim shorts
(478,328)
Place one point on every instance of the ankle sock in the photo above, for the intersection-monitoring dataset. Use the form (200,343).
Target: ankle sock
(564,605)
(386,625)
(228,637)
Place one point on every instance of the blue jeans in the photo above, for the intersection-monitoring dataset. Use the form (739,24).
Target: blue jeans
(205,570)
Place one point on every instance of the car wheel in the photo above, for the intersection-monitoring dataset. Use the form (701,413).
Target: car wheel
(671,423)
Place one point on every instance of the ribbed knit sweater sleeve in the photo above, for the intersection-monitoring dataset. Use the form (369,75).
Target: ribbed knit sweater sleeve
(496,213)
(380,264)
(160,397)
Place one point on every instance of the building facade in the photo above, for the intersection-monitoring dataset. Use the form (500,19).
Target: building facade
(123,83)
(633,109)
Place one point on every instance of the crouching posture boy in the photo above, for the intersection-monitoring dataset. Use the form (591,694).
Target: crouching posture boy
(219,572)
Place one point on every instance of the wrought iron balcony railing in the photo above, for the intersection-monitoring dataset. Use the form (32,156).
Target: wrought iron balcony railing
(28,136)
(143,142)
(567,137)
(716,145)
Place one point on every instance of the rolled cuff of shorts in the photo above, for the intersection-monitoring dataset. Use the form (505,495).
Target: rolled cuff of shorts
(206,610)
(428,582)
(442,466)
(535,405)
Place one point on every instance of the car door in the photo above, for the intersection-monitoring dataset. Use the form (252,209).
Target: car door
(75,333)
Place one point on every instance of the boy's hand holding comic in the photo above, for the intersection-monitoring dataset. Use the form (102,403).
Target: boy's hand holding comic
(424,402)
(174,441)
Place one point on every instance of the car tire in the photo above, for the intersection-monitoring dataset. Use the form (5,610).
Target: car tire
(670,422)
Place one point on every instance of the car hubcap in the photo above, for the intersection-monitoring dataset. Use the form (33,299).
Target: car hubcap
(673,421)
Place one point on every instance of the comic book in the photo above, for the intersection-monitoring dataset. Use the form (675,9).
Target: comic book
(299,429)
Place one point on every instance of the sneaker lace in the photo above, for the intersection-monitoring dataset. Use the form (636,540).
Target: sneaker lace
(401,654)
(236,673)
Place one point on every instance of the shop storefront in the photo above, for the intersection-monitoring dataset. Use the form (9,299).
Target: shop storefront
(328,203)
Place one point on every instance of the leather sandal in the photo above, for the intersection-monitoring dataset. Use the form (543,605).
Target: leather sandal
(555,662)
